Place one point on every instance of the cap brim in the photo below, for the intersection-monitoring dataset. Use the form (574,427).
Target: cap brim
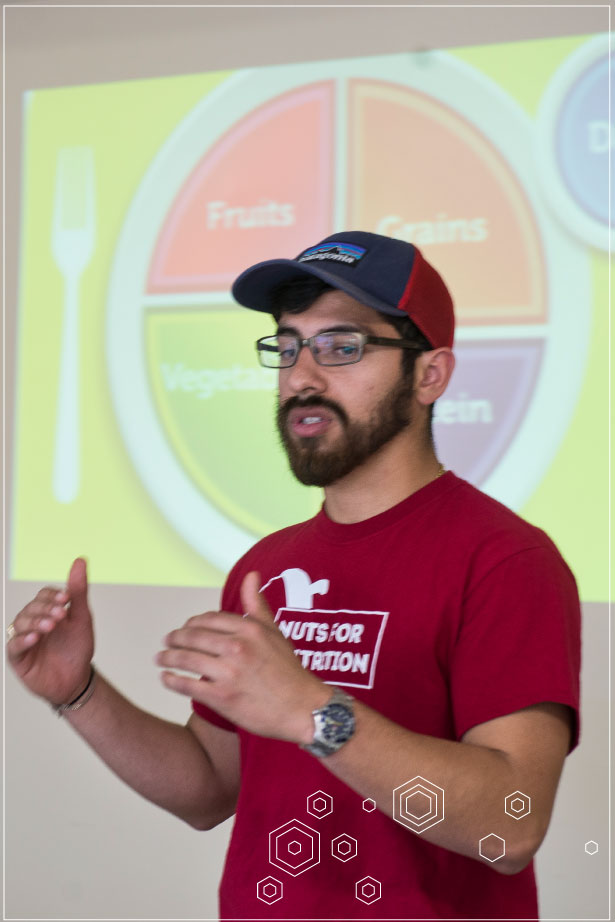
(255,286)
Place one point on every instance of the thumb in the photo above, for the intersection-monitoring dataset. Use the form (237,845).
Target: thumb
(253,603)
(77,587)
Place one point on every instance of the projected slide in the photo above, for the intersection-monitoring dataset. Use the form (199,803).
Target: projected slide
(152,447)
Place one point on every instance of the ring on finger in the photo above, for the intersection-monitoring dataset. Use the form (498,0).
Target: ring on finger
(10,632)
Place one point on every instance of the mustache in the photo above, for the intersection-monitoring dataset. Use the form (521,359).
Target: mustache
(297,403)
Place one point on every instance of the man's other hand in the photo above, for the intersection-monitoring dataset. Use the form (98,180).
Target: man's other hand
(249,672)
(52,644)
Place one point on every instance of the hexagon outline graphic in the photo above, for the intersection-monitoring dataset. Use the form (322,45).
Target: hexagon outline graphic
(301,830)
(269,882)
(287,834)
(372,882)
(526,805)
(372,804)
(335,849)
(311,802)
(594,850)
(401,813)
(419,791)
(491,835)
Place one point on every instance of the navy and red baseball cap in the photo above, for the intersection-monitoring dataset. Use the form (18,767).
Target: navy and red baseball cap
(390,275)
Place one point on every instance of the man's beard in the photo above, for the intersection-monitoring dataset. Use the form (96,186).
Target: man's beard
(317,466)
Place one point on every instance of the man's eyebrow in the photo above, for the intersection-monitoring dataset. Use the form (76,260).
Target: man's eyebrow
(336,328)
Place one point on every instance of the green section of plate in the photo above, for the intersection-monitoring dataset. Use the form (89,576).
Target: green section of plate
(216,407)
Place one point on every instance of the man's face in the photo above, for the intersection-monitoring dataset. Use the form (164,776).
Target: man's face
(332,419)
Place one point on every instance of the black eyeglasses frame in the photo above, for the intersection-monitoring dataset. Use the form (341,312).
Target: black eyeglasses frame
(310,342)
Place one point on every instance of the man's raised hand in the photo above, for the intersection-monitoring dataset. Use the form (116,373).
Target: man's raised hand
(52,645)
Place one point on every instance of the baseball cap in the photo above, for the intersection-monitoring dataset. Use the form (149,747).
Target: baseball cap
(389,275)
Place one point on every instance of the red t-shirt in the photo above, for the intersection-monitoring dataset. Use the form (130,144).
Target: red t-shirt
(441,613)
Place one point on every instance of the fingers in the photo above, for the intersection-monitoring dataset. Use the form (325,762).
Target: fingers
(204,651)
(37,620)
(183,685)
(43,613)
(39,617)
(52,595)
(191,661)
(223,622)
(213,643)
(20,644)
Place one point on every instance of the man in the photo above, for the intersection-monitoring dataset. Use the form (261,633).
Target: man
(388,694)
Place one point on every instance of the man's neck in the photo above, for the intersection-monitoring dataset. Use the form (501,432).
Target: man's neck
(389,477)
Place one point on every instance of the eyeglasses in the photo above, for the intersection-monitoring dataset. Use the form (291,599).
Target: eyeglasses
(340,348)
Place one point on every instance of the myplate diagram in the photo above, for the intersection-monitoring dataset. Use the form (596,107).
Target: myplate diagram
(275,159)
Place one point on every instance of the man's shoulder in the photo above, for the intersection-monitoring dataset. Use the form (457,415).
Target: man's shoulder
(486,524)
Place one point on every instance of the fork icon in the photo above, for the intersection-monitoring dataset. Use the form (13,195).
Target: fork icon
(72,244)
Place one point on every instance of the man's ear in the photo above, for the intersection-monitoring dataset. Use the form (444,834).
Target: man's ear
(432,372)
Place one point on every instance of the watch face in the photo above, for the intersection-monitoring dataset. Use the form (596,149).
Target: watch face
(338,723)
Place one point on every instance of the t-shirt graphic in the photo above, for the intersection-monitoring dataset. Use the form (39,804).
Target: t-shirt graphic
(340,645)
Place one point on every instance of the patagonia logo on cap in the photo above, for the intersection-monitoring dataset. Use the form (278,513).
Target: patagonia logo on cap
(334,251)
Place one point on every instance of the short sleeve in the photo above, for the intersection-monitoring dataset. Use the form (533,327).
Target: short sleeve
(519,641)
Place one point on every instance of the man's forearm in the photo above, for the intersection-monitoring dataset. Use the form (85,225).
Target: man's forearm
(162,761)
(475,779)
(257,683)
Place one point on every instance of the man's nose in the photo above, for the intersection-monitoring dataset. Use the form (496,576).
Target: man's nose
(306,375)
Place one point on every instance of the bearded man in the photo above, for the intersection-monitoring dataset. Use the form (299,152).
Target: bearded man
(387,695)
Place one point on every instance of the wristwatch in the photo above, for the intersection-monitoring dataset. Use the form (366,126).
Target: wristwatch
(334,724)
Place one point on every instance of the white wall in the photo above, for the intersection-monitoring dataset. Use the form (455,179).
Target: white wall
(78,843)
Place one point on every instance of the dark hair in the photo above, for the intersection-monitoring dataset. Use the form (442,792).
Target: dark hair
(298,295)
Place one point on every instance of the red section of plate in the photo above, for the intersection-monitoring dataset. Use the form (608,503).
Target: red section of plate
(258,193)
(420,172)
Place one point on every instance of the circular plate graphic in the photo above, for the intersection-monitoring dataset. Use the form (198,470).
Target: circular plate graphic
(276,159)
(573,141)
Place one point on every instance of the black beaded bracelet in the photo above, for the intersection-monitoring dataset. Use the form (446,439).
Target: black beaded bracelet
(81,698)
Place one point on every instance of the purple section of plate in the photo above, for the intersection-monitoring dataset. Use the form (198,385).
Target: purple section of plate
(478,416)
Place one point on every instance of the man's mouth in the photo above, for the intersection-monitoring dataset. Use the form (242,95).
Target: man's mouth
(308,422)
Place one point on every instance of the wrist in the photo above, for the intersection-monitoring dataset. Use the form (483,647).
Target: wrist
(304,723)
(333,724)
(80,697)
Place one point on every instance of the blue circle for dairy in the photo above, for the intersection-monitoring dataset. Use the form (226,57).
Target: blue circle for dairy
(582,141)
